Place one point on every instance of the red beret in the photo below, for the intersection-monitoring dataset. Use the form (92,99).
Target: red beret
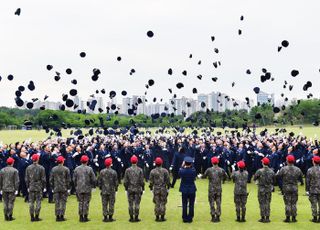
(84,159)
(35,157)
(108,162)
(316,159)
(215,160)
(241,164)
(10,161)
(134,159)
(265,161)
(291,159)
(60,159)
(158,161)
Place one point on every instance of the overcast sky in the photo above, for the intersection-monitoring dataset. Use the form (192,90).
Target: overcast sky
(56,31)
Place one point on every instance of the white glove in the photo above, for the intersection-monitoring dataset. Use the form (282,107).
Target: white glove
(44,190)
(142,192)
(52,191)
(0,192)
(228,162)
(261,154)
(170,168)
(95,160)
(281,165)
(126,193)
(97,164)
(75,154)
(233,168)
(122,165)
(307,193)
(28,190)
(147,165)
(204,158)
(118,159)
(69,191)
(298,160)
(108,155)
(16,192)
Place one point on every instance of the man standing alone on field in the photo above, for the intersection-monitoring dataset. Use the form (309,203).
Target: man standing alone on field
(9,185)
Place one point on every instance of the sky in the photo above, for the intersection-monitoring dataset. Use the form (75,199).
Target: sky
(55,32)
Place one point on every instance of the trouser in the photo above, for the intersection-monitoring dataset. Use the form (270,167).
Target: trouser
(60,199)
(188,199)
(240,202)
(215,204)
(160,200)
(8,202)
(84,201)
(134,199)
(35,202)
(175,176)
(315,204)
(264,199)
(108,201)
(290,201)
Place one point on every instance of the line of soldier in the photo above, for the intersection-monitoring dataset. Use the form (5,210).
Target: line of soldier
(85,180)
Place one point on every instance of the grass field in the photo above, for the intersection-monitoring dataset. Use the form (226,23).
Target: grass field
(12,136)
(174,221)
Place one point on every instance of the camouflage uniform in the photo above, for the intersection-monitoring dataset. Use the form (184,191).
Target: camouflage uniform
(9,183)
(60,181)
(313,187)
(290,176)
(36,182)
(108,183)
(266,178)
(159,184)
(134,184)
(240,192)
(216,176)
(84,181)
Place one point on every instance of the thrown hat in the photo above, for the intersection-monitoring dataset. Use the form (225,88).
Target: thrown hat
(35,157)
(10,161)
(316,159)
(158,161)
(215,160)
(134,159)
(291,159)
(60,159)
(265,161)
(241,164)
(108,162)
(188,159)
(84,159)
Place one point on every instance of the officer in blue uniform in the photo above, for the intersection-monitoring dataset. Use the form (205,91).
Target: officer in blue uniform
(188,189)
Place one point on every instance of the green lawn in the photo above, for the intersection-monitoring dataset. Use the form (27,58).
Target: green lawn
(201,220)
(12,136)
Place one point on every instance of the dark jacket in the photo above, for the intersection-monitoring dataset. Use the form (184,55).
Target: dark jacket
(188,176)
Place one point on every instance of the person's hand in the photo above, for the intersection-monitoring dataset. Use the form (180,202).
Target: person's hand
(170,169)
(1,192)
(69,191)
(16,192)
(307,193)
(28,190)
(147,165)
(44,190)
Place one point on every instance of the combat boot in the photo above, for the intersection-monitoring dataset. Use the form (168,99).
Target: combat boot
(85,218)
(294,219)
(11,218)
(36,218)
(267,220)
(62,218)
(131,218)
(163,218)
(262,219)
(157,218)
(243,219)
(217,219)
(111,218)
(213,218)
(6,217)
(105,219)
(287,220)
(314,220)
(238,219)
(32,218)
(57,218)
(136,219)
(81,218)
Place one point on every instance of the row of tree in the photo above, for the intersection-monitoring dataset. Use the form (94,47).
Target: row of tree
(301,112)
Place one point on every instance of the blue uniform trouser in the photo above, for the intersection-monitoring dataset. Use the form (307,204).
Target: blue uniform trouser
(188,199)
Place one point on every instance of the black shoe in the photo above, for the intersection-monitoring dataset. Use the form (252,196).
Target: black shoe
(157,218)
(267,220)
(136,219)
(105,219)
(287,220)
(243,219)
(131,218)
(217,219)
(294,219)
(62,218)
(213,218)
(51,202)
(11,218)
(262,219)
(37,218)
(32,218)
(238,219)
(111,218)
(85,218)
(6,218)
(58,218)
(81,218)
(314,220)
(163,218)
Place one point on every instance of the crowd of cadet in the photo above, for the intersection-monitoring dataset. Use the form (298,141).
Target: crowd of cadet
(59,167)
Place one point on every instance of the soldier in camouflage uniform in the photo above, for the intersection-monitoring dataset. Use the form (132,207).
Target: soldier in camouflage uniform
(290,176)
(36,184)
(108,183)
(84,181)
(9,185)
(216,176)
(133,182)
(60,181)
(265,178)
(240,179)
(313,188)
(159,184)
